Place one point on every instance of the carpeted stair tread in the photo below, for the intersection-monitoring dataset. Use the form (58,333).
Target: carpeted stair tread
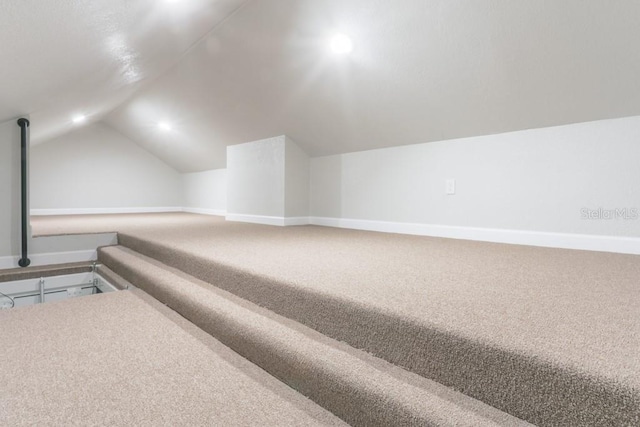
(124,359)
(354,385)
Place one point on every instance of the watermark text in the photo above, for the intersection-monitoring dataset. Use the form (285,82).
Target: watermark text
(626,214)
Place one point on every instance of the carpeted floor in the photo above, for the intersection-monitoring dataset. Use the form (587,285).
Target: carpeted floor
(360,389)
(125,359)
(549,335)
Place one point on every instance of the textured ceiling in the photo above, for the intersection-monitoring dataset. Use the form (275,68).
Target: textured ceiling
(420,70)
(62,58)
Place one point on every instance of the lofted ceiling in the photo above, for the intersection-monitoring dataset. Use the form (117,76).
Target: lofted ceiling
(63,58)
(420,70)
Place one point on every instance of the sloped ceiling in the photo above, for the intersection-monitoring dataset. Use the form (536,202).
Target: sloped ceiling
(420,71)
(61,58)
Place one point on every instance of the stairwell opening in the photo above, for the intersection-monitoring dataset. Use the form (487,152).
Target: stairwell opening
(50,288)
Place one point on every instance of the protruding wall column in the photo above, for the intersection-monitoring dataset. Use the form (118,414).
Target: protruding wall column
(268,182)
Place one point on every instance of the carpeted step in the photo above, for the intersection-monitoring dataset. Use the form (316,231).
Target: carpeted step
(359,388)
(520,343)
(125,359)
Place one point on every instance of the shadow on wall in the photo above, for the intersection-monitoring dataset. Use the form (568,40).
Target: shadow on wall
(326,187)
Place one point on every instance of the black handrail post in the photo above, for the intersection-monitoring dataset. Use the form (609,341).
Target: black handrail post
(24,124)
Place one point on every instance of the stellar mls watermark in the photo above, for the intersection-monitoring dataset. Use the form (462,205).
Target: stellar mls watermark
(626,214)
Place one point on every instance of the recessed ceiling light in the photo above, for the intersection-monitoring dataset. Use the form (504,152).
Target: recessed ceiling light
(79,119)
(341,44)
(164,126)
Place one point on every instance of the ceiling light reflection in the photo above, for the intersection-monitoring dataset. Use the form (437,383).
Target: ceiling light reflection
(341,44)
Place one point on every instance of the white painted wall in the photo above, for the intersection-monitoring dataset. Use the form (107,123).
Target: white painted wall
(64,248)
(296,180)
(535,180)
(256,178)
(97,167)
(205,192)
(9,188)
(268,182)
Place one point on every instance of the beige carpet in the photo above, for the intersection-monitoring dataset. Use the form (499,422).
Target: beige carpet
(361,389)
(549,335)
(124,359)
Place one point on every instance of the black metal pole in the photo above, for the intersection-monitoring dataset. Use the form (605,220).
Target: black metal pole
(24,124)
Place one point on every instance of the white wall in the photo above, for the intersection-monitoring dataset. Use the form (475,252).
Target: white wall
(268,182)
(296,180)
(535,180)
(256,178)
(205,192)
(9,188)
(97,167)
(66,248)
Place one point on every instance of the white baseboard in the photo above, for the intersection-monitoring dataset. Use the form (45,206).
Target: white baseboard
(268,220)
(203,211)
(296,220)
(92,211)
(627,245)
(51,258)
